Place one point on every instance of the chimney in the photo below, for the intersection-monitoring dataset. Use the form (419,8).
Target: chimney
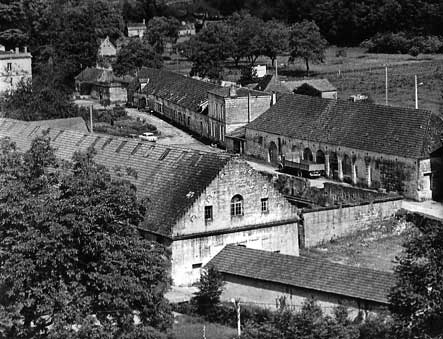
(17,50)
(232,91)
(273,98)
(144,22)
(26,49)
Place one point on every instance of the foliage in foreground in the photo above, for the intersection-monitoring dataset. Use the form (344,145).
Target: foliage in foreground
(70,253)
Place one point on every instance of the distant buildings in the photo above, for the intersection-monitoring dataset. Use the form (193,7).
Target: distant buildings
(107,48)
(136,29)
(383,147)
(14,67)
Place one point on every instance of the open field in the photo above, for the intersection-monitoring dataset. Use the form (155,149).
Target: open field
(364,73)
(186,327)
(375,248)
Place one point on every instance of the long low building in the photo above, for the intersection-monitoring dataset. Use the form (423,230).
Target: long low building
(391,148)
(263,277)
(198,201)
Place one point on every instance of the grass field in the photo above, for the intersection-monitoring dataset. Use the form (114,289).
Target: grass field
(186,327)
(363,73)
(375,248)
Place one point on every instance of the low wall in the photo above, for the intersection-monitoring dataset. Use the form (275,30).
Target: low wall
(325,224)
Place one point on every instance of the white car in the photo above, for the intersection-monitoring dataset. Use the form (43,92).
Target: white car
(148,136)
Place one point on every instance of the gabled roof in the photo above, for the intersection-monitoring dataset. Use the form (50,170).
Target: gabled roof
(181,90)
(99,75)
(269,83)
(302,272)
(172,178)
(75,123)
(136,25)
(321,85)
(382,129)
(239,92)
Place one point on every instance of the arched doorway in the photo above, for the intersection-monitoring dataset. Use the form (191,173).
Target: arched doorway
(320,157)
(307,155)
(273,152)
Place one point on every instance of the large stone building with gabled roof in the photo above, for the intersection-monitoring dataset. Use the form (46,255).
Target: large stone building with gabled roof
(198,202)
(384,147)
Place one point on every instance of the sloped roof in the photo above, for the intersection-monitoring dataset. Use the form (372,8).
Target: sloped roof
(181,90)
(270,84)
(75,123)
(99,75)
(239,92)
(382,129)
(322,85)
(134,25)
(171,178)
(302,272)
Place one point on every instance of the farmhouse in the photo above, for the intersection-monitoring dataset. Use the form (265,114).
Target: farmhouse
(136,29)
(314,87)
(107,48)
(384,147)
(198,202)
(262,277)
(14,67)
(102,84)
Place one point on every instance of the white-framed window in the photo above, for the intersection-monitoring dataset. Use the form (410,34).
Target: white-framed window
(237,205)
(264,205)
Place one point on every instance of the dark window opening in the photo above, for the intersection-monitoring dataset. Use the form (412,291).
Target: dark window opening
(264,205)
(197,265)
(208,213)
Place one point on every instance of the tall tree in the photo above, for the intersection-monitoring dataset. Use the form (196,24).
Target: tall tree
(307,43)
(210,290)
(161,30)
(135,54)
(12,33)
(70,250)
(275,39)
(417,298)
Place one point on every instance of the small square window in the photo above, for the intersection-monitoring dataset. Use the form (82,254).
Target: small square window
(9,66)
(208,213)
(264,205)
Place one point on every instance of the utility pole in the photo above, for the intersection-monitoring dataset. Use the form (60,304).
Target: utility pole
(386,84)
(237,306)
(416,93)
(249,105)
(276,69)
(90,119)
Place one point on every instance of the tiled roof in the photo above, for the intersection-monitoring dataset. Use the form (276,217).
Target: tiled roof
(376,128)
(181,90)
(76,124)
(239,92)
(303,272)
(270,84)
(322,85)
(98,75)
(171,178)
(134,25)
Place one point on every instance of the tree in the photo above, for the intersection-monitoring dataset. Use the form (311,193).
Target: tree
(275,39)
(135,54)
(70,250)
(210,289)
(207,50)
(417,298)
(11,32)
(160,30)
(306,43)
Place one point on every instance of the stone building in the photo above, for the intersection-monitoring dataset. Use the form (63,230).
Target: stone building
(262,277)
(107,48)
(389,148)
(136,29)
(198,202)
(103,85)
(230,108)
(14,67)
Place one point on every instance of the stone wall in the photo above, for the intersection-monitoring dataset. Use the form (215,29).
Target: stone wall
(265,294)
(19,68)
(325,224)
(191,253)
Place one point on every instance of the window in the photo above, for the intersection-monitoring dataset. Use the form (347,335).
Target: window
(189,121)
(194,266)
(208,213)
(9,66)
(264,205)
(237,205)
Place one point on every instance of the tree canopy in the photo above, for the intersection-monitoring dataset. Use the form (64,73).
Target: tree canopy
(417,298)
(161,30)
(134,54)
(70,252)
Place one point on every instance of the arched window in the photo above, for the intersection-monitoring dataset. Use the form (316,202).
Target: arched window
(237,205)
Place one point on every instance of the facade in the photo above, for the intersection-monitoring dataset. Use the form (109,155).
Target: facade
(14,67)
(136,29)
(107,48)
(262,277)
(389,148)
(198,201)
(230,108)
(101,84)
(186,29)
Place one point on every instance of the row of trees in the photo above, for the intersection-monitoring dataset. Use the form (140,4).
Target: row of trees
(243,36)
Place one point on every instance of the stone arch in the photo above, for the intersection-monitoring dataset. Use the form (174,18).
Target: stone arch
(320,157)
(333,165)
(347,165)
(273,152)
(307,154)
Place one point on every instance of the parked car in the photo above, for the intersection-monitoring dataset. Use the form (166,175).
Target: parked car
(148,136)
